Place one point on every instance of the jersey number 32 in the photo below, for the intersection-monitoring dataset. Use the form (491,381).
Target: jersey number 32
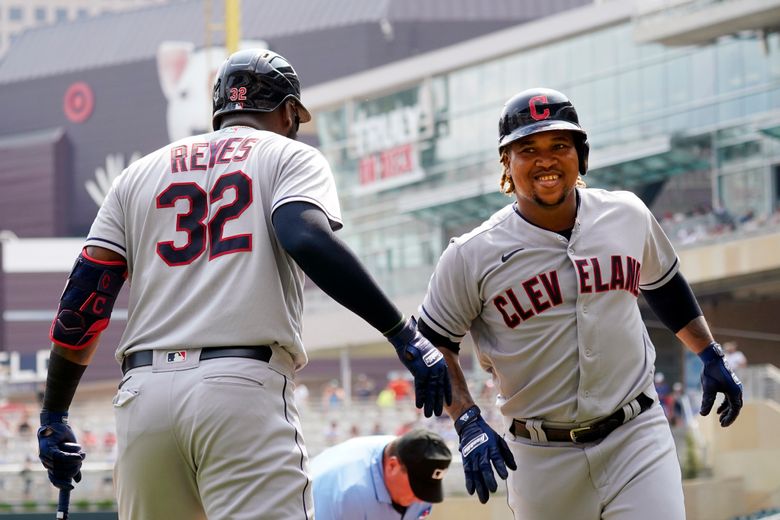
(193,222)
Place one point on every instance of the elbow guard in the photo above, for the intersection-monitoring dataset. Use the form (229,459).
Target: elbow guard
(87,301)
(674,303)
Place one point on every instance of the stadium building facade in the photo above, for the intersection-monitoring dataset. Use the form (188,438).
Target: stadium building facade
(688,120)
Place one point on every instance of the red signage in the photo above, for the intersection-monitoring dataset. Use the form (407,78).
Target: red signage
(78,102)
(386,164)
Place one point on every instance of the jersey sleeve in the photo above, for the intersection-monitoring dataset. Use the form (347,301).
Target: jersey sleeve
(108,228)
(452,301)
(659,261)
(306,177)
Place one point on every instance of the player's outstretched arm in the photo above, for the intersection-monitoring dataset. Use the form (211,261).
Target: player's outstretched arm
(481,448)
(716,376)
(83,313)
(304,231)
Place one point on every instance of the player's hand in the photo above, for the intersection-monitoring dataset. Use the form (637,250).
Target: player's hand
(481,446)
(427,365)
(58,450)
(716,377)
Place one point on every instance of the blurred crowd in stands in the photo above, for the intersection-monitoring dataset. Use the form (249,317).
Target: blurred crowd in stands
(703,224)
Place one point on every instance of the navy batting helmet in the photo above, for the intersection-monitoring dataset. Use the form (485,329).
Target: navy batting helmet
(255,80)
(540,110)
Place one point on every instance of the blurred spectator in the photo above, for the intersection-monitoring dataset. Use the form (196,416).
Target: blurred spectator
(354,431)
(26,475)
(664,393)
(332,434)
(332,395)
(364,387)
(24,428)
(301,394)
(386,398)
(377,429)
(89,441)
(734,357)
(400,385)
(724,218)
(488,389)
(677,410)
(109,441)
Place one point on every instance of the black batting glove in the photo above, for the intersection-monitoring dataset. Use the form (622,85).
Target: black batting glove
(716,377)
(58,450)
(425,362)
(480,446)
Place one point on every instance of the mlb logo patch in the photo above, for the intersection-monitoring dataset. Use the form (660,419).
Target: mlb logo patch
(180,356)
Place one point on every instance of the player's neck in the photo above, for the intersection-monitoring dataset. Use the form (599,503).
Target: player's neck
(554,218)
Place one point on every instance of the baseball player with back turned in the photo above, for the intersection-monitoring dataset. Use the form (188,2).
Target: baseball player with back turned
(214,233)
(548,288)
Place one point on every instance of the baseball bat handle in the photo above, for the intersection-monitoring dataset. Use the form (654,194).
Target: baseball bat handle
(64,504)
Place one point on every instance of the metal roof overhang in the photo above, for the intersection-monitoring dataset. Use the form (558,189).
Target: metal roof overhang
(695,22)
(645,163)
(771,131)
(473,200)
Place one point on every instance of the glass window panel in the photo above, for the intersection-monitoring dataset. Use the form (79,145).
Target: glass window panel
(464,89)
(605,49)
(580,52)
(604,101)
(754,61)
(729,109)
(15,13)
(745,191)
(678,82)
(534,73)
(773,50)
(491,74)
(40,14)
(730,71)
(556,64)
(627,50)
(651,94)
(703,73)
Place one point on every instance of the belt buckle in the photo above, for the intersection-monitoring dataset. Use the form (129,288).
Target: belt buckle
(575,432)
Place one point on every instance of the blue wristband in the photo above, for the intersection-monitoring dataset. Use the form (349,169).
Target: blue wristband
(711,353)
(466,417)
(53,417)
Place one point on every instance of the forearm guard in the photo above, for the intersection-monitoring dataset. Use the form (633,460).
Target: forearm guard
(87,301)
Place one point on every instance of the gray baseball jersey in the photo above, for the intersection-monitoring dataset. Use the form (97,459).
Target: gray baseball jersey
(555,320)
(199,211)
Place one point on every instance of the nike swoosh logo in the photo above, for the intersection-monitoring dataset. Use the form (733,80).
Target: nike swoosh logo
(507,256)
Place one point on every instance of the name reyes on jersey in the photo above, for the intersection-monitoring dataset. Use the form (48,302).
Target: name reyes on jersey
(542,292)
(203,155)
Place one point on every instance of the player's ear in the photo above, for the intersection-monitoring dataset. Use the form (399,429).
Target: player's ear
(291,119)
(393,465)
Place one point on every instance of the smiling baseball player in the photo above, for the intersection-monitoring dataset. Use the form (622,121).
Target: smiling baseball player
(548,289)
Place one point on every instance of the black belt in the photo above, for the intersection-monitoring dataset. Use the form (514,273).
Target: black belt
(591,433)
(144,358)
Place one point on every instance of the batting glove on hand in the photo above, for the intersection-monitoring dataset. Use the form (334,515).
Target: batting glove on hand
(480,446)
(427,365)
(716,377)
(58,450)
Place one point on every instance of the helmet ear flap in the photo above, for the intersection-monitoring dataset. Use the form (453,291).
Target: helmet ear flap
(583,150)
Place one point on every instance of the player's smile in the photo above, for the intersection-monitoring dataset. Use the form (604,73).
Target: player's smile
(548,180)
